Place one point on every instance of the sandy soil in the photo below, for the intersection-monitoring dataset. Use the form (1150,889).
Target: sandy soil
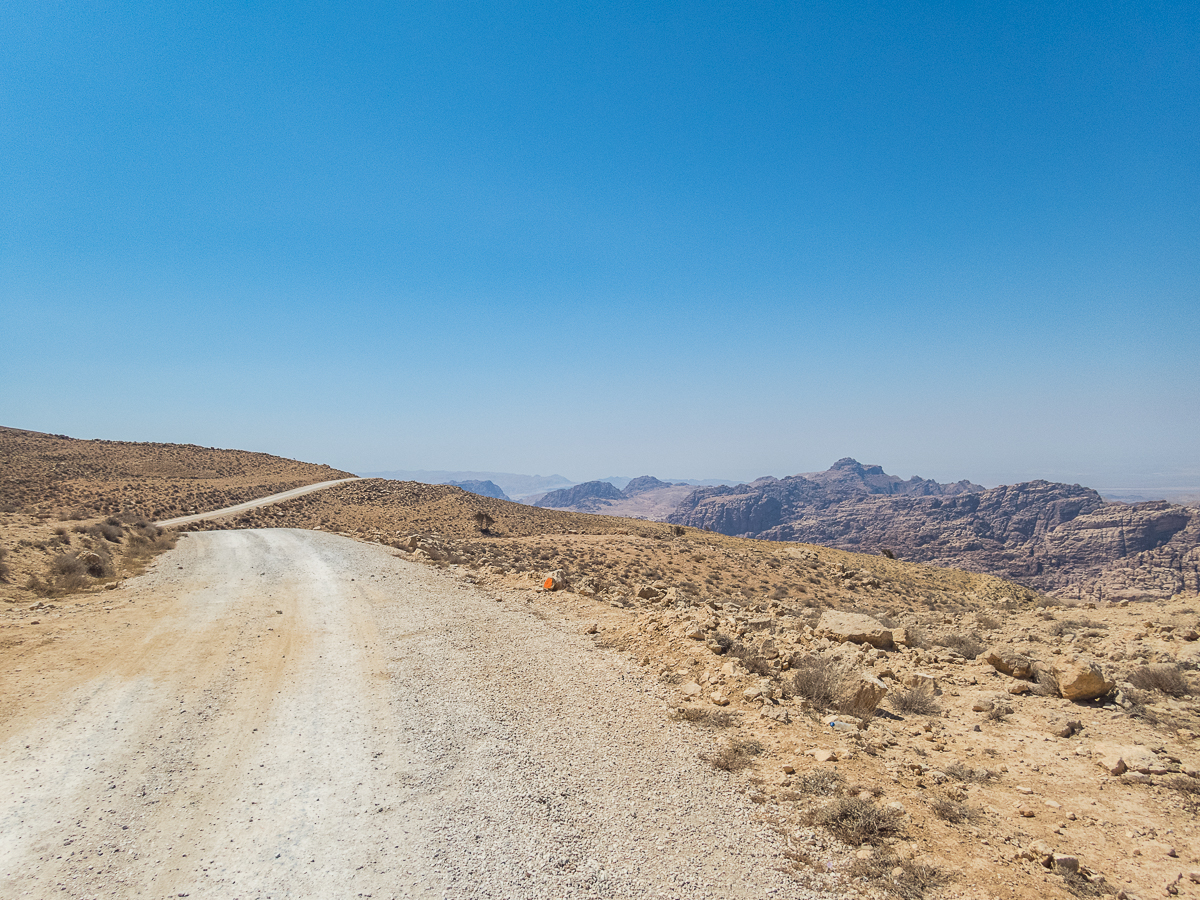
(286,713)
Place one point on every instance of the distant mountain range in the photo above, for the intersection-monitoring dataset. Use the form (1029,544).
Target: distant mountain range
(513,485)
(483,488)
(1059,538)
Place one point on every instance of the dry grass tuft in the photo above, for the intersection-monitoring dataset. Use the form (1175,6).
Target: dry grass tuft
(1165,678)
(959,772)
(820,783)
(714,718)
(952,811)
(969,645)
(856,821)
(916,701)
(820,680)
(734,755)
(913,882)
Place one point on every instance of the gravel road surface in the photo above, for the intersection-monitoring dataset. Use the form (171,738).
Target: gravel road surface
(318,718)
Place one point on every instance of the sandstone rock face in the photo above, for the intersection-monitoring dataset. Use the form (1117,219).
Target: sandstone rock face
(1058,538)
(1009,661)
(1080,678)
(855,628)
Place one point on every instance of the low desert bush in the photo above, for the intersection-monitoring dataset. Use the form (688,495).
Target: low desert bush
(915,701)
(820,783)
(733,755)
(959,772)
(1080,886)
(1185,785)
(991,623)
(1165,678)
(754,663)
(823,681)
(952,811)
(700,715)
(856,821)
(913,881)
(5,571)
(968,644)
(106,531)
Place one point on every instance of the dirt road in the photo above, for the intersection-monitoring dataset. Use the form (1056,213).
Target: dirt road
(252,504)
(295,714)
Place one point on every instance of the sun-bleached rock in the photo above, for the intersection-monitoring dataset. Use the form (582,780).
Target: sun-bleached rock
(854,628)
(1080,678)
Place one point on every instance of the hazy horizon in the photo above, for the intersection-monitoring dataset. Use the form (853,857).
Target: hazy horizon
(955,241)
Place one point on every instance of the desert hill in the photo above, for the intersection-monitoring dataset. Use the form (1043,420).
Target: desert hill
(52,471)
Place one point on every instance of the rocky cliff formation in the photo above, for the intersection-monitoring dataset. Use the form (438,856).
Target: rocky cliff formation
(1063,539)
(586,497)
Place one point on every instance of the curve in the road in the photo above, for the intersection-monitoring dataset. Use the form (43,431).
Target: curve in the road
(253,504)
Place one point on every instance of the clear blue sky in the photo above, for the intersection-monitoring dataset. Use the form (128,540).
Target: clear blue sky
(688,239)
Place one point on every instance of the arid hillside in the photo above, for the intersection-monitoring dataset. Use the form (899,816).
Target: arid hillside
(53,473)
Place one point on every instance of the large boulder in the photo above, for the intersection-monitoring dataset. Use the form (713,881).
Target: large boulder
(1010,662)
(1080,678)
(854,628)
(868,694)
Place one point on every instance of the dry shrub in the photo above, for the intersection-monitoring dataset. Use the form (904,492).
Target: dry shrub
(952,811)
(734,755)
(959,772)
(1165,678)
(823,681)
(856,821)
(969,645)
(754,663)
(5,571)
(913,882)
(714,718)
(991,623)
(1189,787)
(106,531)
(1081,886)
(820,783)
(916,701)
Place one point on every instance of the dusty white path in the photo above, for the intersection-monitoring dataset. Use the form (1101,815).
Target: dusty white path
(319,719)
(252,504)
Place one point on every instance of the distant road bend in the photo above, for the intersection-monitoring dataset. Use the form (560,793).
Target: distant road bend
(253,504)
